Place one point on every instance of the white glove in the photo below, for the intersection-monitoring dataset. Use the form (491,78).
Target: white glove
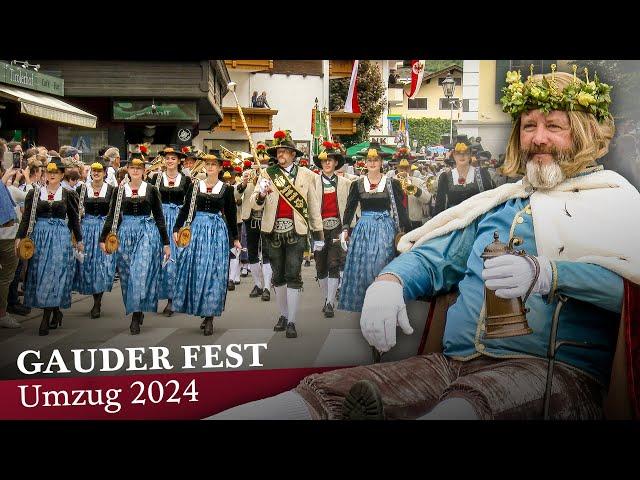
(383,310)
(511,276)
(264,185)
(343,240)
(318,245)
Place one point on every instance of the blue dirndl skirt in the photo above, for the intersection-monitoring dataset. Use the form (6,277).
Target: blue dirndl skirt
(371,248)
(203,268)
(168,274)
(50,272)
(139,261)
(96,273)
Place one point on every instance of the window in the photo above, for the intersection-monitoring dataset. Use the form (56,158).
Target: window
(445,103)
(465,105)
(458,80)
(417,104)
(503,66)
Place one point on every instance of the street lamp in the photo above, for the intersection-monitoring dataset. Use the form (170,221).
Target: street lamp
(449,87)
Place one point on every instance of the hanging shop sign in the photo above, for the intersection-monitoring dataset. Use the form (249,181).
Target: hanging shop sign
(147,110)
(30,79)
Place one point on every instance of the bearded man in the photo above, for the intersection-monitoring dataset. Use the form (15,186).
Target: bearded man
(576,222)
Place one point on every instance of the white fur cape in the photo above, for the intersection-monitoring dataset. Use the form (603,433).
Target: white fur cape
(592,218)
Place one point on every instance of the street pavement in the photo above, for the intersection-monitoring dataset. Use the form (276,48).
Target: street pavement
(321,342)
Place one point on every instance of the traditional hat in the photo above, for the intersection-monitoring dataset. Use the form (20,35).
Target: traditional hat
(403,157)
(55,165)
(282,139)
(98,164)
(462,148)
(374,150)
(331,150)
(180,152)
(211,158)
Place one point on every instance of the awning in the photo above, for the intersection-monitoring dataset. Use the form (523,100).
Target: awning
(45,106)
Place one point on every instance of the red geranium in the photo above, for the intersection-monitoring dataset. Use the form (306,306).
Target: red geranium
(261,146)
(143,149)
(226,164)
(185,149)
(238,169)
(327,144)
(247,163)
(336,145)
(279,134)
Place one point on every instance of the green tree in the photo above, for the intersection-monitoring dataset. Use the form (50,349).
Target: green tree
(426,130)
(370,98)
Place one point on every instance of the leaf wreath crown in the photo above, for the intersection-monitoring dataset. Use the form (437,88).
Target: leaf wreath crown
(545,94)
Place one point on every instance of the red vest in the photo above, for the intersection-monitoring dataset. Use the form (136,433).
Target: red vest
(330,205)
(284,209)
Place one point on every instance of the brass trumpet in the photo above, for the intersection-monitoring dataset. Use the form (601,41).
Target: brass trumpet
(431,184)
(156,165)
(407,187)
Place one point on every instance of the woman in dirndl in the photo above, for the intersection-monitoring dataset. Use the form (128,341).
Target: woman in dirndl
(372,242)
(95,274)
(203,265)
(50,273)
(173,187)
(142,237)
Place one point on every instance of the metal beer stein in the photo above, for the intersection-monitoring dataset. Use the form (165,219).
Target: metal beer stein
(506,317)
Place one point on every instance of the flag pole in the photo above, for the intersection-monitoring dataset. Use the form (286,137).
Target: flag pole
(232,87)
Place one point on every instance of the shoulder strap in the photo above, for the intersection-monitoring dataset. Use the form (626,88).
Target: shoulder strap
(158,179)
(392,201)
(83,191)
(192,206)
(116,212)
(479,179)
(34,207)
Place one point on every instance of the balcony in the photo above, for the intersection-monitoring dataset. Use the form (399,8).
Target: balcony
(340,68)
(343,123)
(395,95)
(249,65)
(258,120)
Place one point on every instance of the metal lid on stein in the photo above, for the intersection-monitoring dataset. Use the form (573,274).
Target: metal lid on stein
(495,248)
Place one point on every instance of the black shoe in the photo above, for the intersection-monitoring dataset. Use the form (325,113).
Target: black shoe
(237,283)
(307,263)
(141,318)
(281,325)
(56,319)
(203,323)
(134,328)
(363,402)
(266,295)
(44,325)
(244,272)
(291,330)
(324,307)
(328,311)
(18,309)
(97,304)
(231,286)
(208,326)
(168,310)
(256,292)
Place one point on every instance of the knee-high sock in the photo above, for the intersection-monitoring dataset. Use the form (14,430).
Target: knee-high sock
(285,406)
(256,273)
(267,274)
(323,287)
(293,297)
(340,283)
(236,272)
(332,288)
(232,268)
(281,298)
(455,408)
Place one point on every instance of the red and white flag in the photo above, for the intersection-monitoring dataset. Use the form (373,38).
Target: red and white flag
(351,104)
(417,70)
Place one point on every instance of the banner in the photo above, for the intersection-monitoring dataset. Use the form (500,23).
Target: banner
(417,71)
(351,104)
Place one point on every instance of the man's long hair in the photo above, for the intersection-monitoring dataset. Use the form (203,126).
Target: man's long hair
(590,138)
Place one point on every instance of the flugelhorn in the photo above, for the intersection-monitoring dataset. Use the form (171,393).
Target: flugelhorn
(156,165)
(407,186)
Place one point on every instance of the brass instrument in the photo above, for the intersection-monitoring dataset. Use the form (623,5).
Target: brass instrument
(407,187)
(198,167)
(156,166)
(431,184)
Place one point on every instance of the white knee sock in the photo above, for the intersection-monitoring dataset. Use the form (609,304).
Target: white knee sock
(232,268)
(293,296)
(455,408)
(268,273)
(285,406)
(256,273)
(323,287)
(281,299)
(236,274)
(332,289)
(340,283)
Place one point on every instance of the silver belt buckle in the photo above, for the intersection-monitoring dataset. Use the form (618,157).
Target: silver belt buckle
(330,223)
(256,214)
(283,225)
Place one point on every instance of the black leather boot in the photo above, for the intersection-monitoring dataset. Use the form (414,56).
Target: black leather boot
(56,319)
(256,292)
(134,328)
(44,325)
(97,304)
(281,325)
(363,402)
(208,326)
(328,310)
(266,295)
(291,330)
(168,310)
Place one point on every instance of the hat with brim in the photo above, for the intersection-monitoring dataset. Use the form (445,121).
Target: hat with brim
(373,150)
(211,158)
(336,155)
(55,165)
(272,151)
(136,160)
(98,164)
(181,153)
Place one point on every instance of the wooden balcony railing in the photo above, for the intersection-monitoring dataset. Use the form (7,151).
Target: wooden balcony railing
(258,119)
(249,65)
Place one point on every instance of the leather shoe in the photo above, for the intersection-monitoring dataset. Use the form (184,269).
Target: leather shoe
(328,311)
(134,328)
(291,330)
(231,286)
(18,309)
(281,325)
(208,326)
(266,295)
(256,292)
(363,402)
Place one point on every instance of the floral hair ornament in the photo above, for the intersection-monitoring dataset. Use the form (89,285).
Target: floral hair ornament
(592,96)
(461,148)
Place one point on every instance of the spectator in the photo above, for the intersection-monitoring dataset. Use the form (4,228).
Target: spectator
(42,150)
(112,158)
(14,147)
(71,178)
(254,99)
(261,101)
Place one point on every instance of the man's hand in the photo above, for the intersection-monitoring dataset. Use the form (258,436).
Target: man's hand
(318,245)
(265,187)
(511,276)
(383,310)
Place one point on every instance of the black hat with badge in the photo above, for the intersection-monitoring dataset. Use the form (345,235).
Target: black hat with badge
(331,150)
(55,165)
(282,139)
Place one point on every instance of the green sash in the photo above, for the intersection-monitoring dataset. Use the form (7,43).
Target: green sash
(289,192)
